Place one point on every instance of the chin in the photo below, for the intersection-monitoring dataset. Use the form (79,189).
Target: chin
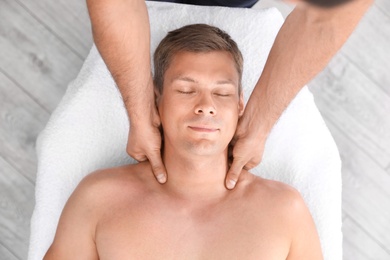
(205,148)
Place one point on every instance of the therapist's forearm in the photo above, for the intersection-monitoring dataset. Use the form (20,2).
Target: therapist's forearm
(122,35)
(307,41)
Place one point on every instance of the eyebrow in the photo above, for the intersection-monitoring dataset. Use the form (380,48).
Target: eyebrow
(227,81)
(189,79)
(184,78)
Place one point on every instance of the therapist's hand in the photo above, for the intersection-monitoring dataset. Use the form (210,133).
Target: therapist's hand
(144,144)
(121,32)
(248,146)
(308,39)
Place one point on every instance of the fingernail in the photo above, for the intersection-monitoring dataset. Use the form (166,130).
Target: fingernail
(231,184)
(161,178)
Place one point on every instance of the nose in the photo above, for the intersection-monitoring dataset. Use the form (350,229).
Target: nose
(205,106)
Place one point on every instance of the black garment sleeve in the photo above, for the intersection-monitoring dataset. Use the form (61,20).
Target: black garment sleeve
(228,3)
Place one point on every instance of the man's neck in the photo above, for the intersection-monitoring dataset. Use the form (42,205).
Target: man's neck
(195,177)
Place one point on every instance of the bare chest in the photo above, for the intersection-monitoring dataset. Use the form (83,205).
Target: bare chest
(214,233)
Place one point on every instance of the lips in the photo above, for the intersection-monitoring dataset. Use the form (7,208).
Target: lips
(204,129)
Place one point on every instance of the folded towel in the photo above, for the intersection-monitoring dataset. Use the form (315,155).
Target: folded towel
(89,128)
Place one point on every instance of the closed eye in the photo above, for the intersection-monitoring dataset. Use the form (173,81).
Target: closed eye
(222,95)
(186,92)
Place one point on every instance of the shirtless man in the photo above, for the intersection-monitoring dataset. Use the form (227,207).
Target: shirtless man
(311,35)
(123,213)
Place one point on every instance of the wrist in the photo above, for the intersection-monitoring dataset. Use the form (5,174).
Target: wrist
(140,103)
(144,116)
(261,113)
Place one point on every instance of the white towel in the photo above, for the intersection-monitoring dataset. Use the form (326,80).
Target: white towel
(89,128)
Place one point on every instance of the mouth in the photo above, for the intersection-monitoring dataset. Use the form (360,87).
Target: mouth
(204,129)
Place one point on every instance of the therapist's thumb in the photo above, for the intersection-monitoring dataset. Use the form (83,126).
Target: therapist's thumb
(234,173)
(158,166)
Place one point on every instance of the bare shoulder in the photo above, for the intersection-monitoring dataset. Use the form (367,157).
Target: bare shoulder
(105,189)
(274,193)
(124,180)
(97,193)
(272,200)
(75,235)
(284,205)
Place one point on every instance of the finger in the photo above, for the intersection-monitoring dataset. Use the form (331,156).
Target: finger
(137,154)
(158,167)
(234,173)
(254,161)
(139,157)
(249,166)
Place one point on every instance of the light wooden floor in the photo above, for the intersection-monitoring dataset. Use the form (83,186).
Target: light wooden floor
(43,44)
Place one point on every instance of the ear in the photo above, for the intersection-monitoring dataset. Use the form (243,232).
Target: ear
(241,105)
(157,96)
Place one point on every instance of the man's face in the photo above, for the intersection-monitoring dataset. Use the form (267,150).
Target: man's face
(200,105)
